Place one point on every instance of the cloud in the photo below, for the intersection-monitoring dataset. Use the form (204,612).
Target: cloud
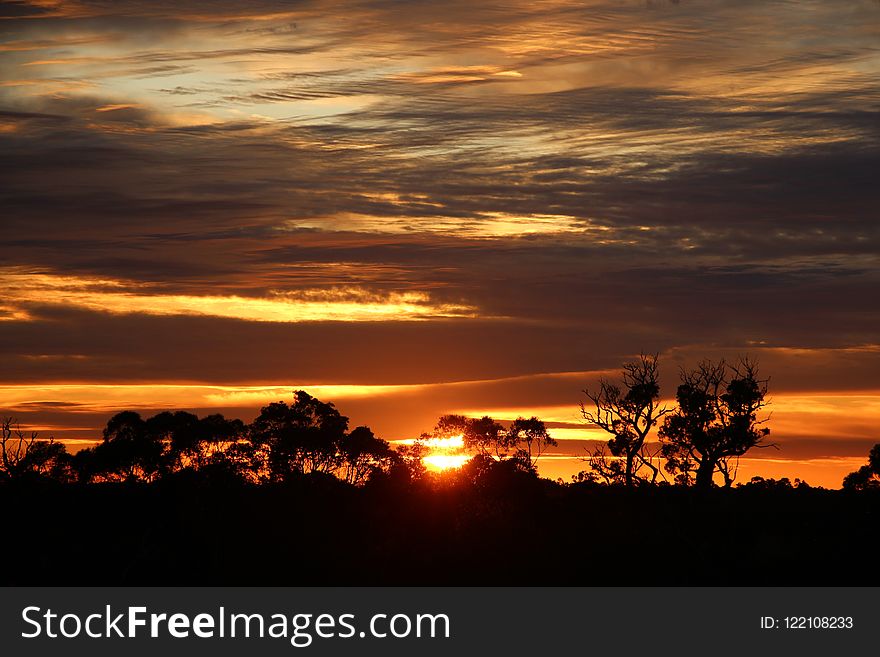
(26,290)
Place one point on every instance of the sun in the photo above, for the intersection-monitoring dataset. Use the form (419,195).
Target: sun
(444,453)
(440,462)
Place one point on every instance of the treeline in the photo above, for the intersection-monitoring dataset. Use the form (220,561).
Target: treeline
(306,437)
(717,418)
(298,497)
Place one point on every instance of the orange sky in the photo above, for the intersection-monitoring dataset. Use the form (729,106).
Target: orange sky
(453,208)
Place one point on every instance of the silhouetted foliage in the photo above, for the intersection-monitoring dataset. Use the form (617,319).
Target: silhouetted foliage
(867,476)
(762,484)
(134,449)
(175,499)
(522,443)
(299,438)
(716,422)
(364,456)
(531,439)
(628,411)
(130,451)
(191,442)
(310,436)
(306,437)
(23,455)
(480,435)
(408,462)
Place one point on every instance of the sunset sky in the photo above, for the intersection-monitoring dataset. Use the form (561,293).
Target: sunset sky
(416,208)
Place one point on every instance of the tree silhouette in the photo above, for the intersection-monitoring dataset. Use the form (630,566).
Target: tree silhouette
(168,442)
(24,455)
(770,485)
(531,438)
(193,442)
(523,442)
(362,512)
(310,436)
(130,451)
(628,411)
(716,422)
(14,447)
(179,434)
(867,476)
(300,438)
(363,455)
(479,435)
(407,462)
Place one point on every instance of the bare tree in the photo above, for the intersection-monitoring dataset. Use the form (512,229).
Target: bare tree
(23,454)
(628,410)
(15,445)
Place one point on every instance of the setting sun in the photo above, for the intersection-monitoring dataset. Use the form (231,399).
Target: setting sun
(445,461)
(443,453)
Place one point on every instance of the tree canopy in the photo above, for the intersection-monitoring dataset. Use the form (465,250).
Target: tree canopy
(867,476)
(715,422)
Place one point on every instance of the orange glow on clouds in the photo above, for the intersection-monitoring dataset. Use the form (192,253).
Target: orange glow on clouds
(348,304)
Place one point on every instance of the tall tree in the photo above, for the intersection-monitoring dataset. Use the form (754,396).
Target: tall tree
(628,410)
(716,422)
(531,439)
(193,442)
(129,451)
(364,455)
(302,437)
(177,431)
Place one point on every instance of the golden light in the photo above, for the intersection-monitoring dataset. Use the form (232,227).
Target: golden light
(445,461)
(445,453)
(349,304)
(450,444)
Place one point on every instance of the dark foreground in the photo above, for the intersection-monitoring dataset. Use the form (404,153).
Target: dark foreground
(523,531)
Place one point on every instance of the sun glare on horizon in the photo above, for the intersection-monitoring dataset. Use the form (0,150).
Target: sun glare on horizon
(443,453)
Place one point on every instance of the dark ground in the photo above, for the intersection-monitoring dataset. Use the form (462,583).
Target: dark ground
(523,531)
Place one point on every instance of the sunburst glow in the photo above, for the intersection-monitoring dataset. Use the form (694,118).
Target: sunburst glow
(445,461)
(444,453)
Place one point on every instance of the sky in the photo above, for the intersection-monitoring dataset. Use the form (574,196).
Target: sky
(416,208)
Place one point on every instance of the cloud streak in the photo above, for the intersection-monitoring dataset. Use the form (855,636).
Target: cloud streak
(309,305)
